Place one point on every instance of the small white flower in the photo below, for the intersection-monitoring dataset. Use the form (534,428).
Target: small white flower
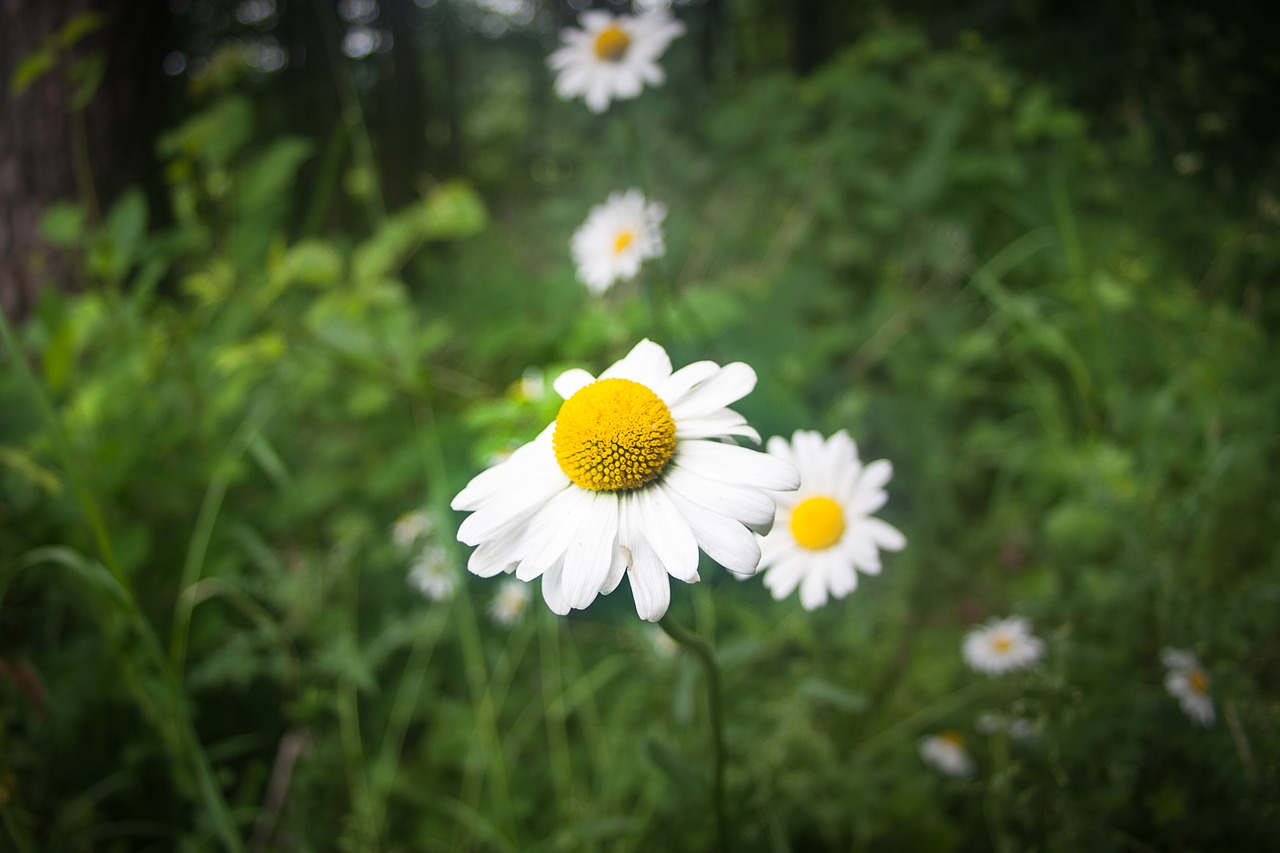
(432,575)
(631,479)
(1188,682)
(824,531)
(530,387)
(1002,645)
(409,528)
(616,238)
(1016,727)
(946,752)
(612,57)
(509,604)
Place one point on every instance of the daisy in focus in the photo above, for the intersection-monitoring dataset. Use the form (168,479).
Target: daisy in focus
(1188,682)
(824,531)
(509,604)
(946,752)
(617,237)
(1002,645)
(631,479)
(432,575)
(612,57)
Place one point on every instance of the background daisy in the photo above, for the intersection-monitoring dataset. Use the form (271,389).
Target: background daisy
(616,238)
(1188,682)
(630,479)
(612,57)
(824,530)
(946,752)
(432,575)
(509,603)
(1002,645)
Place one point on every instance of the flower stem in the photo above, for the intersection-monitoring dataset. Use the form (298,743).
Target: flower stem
(715,707)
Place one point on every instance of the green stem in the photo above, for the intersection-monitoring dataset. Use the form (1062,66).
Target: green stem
(941,707)
(715,708)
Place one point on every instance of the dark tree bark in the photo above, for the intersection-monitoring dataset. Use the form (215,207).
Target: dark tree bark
(48,153)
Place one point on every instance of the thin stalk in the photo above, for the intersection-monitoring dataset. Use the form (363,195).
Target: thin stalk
(553,715)
(715,710)
(940,707)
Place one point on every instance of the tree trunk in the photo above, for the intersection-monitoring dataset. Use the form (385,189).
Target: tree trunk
(48,152)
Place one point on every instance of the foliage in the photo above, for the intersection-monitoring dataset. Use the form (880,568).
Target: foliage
(207,630)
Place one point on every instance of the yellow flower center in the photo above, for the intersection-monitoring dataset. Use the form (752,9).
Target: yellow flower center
(625,239)
(612,43)
(953,737)
(817,523)
(614,434)
(1198,679)
(1001,643)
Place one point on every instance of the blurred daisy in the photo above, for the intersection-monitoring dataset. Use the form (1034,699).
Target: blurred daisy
(1188,682)
(824,531)
(510,603)
(433,576)
(1002,645)
(530,387)
(409,528)
(612,57)
(630,479)
(946,752)
(617,238)
(1016,727)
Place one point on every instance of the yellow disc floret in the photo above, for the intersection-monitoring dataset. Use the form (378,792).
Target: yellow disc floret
(1198,681)
(612,44)
(817,523)
(623,240)
(614,434)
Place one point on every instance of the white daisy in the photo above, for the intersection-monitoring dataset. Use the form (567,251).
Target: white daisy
(1188,682)
(629,479)
(1002,645)
(409,528)
(433,576)
(617,237)
(946,752)
(824,531)
(612,56)
(509,604)
(1017,728)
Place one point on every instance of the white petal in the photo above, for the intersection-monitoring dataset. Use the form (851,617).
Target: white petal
(813,590)
(721,424)
(571,382)
(723,539)
(590,552)
(675,388)
(883,534)
(747,504)
(552,591)
(668,534)
(647,363)
(783,578)
(650,586)
(733,382)
(732,464)
(514,507)
(550,533)
(532,461)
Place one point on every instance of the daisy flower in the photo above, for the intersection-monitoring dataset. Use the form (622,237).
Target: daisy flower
(509,604)
(409,528)
(612,56)
(617,237)
(1002,645)
(432,575)
(630,479)
(1188,682)
(824,531)
(1017,728)
(946,752)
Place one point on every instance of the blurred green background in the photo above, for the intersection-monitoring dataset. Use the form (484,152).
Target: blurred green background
(274,272)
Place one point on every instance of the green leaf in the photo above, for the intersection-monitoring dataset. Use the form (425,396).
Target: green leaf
(63,223)
(86,76)
(80,26)
(32,67)
(453,210)
(272,172)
